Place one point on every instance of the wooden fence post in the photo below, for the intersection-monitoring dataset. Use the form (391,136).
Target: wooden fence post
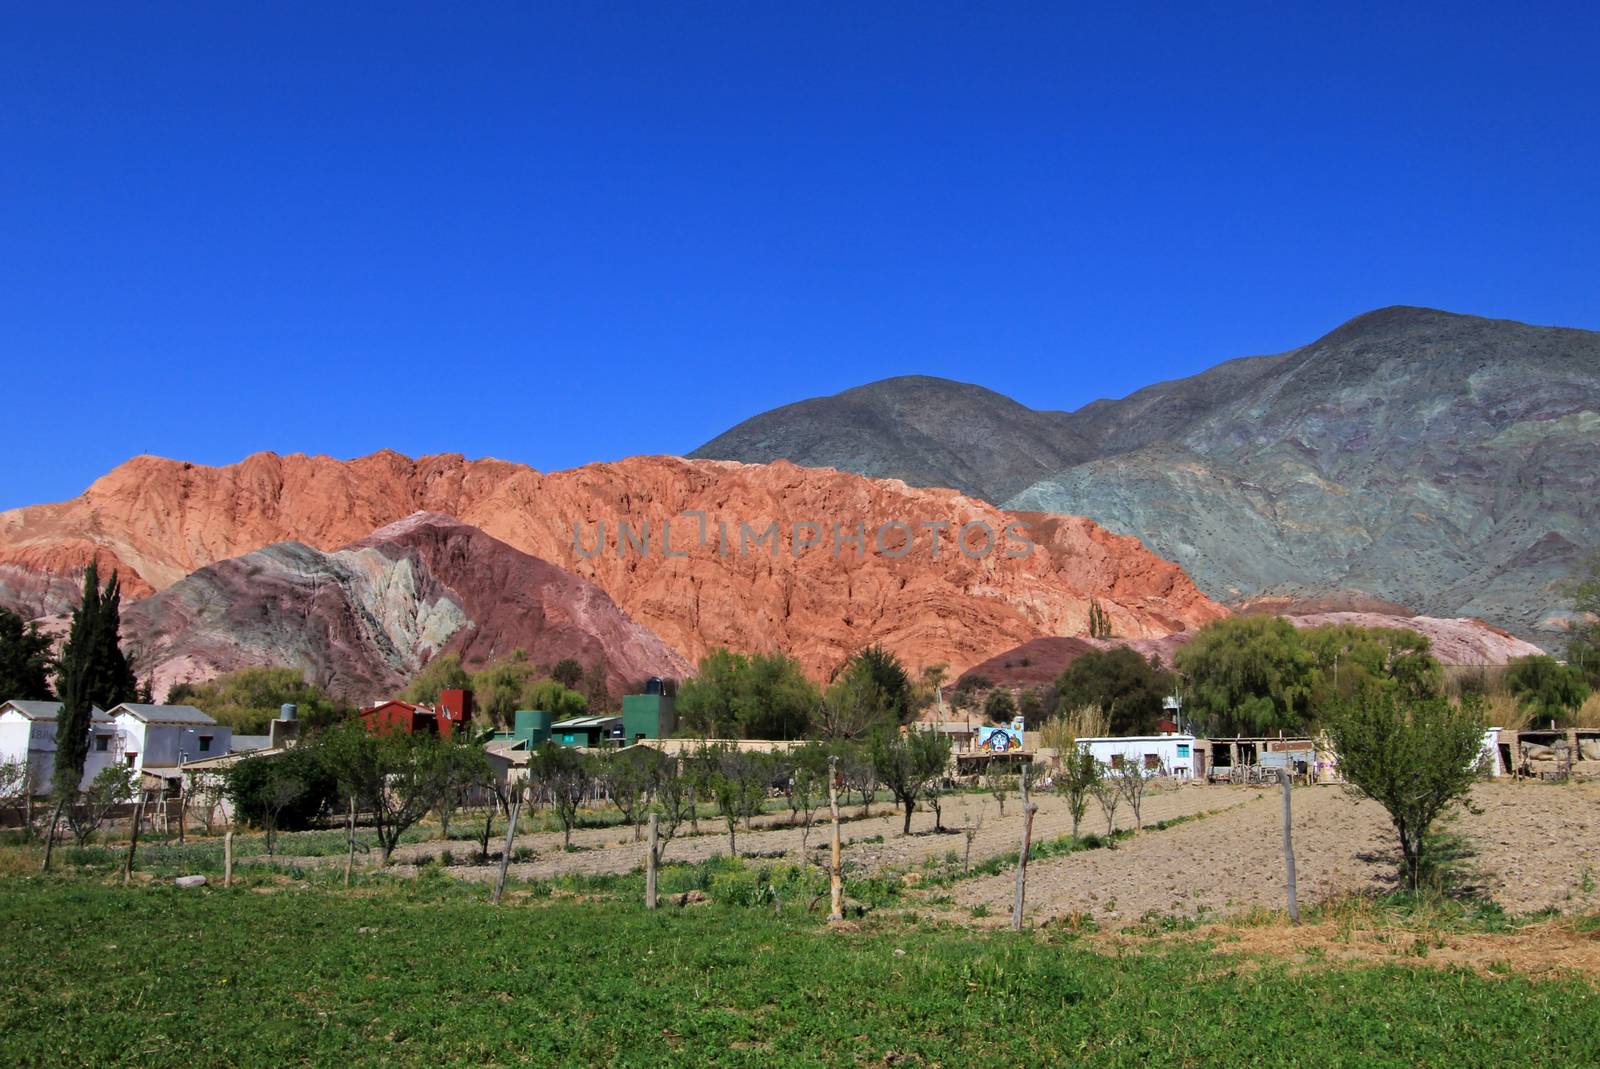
(227,858)
(1028,809)
(350,842)
(836,860)
(1288,850)
(133,840)
(650,865)
(505,855)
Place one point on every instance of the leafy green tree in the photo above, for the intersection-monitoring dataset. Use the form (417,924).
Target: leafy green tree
(93,672)
(564,777)
(630,777)
(249,700)
(498,688)
(567,672)
(739,787)
(1031,706)
(282,791)
(765,696)
(1350,659)
(1248,675)
(1545,688)
(1080,773)
(443,672)
(1583,638)
(24,660)
(889,673)
(395,776)
(907,762)
(1413,756)
(112,786)
(551,697)
(855,706)
(999,706)
(1121,683)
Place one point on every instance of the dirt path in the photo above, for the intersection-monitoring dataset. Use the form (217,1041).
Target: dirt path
(1532,846)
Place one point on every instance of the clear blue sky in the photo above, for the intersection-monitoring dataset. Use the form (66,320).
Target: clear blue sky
(562,234)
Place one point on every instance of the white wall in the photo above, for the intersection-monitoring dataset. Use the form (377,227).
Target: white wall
(1175,751)
(159,745)
(35,740)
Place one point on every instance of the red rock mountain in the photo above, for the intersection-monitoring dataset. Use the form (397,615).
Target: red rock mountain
(159,520)
(361,621)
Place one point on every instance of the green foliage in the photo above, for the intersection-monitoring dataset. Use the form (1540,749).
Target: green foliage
(561,776)
(1076,781)
(889,673)
(394,776)
(443,672)
(552,696)
(1099,622)
(1546,688)
(1248,675)
(1583,638)
(908,763)
(1413,756)
(112,786)
(1121,683)
(248,700)
(855,706)
(499,688)
(739,782)
(764,696)
(999,706)
(288,790)
(567,672)
(24,660)
(1351,659)
(92,672)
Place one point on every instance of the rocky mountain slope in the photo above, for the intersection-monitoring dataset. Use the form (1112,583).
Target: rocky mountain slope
(159,520)
(363,619)
(1443,462)
(926,431)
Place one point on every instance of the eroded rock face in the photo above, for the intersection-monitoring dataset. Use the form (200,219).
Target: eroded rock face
(362,620)
(160,519)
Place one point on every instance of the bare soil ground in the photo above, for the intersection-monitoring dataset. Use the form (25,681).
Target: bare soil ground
(612,850)
(1533,847)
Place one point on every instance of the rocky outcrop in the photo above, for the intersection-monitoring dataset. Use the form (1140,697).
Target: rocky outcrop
(362,620)
(702,582)
(1437,461)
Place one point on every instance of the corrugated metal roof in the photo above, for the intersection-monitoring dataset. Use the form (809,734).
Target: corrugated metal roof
(164,714)
(49,710)
(578,723)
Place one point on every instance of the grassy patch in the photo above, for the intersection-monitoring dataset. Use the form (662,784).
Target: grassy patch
(427,974)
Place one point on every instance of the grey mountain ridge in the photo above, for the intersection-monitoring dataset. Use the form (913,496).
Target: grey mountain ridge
(1445,462)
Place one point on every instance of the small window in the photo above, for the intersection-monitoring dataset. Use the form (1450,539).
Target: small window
(205,743)
(102,743)
(1183,749)
(1152,760)
(1116,760)
(133,759)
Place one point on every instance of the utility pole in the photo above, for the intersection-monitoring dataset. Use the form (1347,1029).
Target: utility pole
(1028,808)
(1288,848)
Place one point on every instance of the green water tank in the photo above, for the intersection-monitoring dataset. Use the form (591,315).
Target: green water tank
(649,716)
(533,726)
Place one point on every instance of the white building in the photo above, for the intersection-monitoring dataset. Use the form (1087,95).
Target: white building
(28,733)
(1174,753)
(159,738)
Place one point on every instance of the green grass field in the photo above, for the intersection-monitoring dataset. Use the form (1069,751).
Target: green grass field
(426,973)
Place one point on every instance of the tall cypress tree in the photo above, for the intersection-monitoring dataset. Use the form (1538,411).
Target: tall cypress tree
(24,659)
(93,672)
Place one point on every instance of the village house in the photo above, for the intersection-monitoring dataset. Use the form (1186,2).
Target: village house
(28,734)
